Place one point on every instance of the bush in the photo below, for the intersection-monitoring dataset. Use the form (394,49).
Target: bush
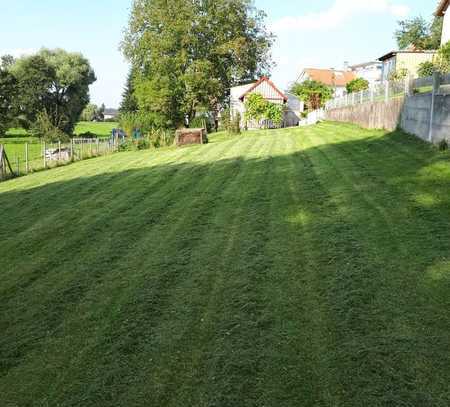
(426,69)
(44,129)
(161,137)
(201,121)
(143,121)
(443,145)
(398,75)
(357,85)
(87,134)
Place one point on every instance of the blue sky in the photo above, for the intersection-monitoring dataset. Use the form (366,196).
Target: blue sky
(320,33)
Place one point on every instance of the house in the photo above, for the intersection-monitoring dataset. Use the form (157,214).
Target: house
(110,114)
(335,79)
(370,71)
(442,12)
(409,59)
(265,87)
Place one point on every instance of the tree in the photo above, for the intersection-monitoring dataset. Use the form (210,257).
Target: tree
(419,33)
(92,112)
(313,93)
(129,102)
(357,85)
(426,69)
(8,92)
(54,81)
(189,53)
(6,61)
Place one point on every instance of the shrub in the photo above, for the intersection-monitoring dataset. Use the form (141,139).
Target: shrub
(235,124)
(201,121)
(161,138)
(87,134)
(44,129)
(426,69)
(398,75)
(225,119)
(143,121)
(443,145)
(357,85)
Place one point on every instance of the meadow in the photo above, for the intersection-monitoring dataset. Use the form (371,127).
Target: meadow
(296,267)
(15,140)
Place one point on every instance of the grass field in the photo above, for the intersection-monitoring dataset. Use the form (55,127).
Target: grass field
(100,129)
(299,267)
(15,140)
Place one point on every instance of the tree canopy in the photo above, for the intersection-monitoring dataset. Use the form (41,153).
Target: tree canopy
(93,112)
(129,102)
(188,53)
(357,85)
(419,33)
(8,93)
(313,93)
(55,82)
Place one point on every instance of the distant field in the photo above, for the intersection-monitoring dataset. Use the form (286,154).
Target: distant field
(16,139)
(100,129)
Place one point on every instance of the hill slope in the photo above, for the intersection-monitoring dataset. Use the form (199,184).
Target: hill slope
(305,267)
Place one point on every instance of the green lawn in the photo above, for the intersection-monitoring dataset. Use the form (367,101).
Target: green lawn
(299,267)
(16,139)
(100,129)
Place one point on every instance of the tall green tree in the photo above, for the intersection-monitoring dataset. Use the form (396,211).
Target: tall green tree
(54,81)
(419,33)
(8,93)
(313,93)
(188,53)
(129,102)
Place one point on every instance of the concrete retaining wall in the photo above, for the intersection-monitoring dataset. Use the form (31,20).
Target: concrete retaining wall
(417,114)
(412,114)
(371,115)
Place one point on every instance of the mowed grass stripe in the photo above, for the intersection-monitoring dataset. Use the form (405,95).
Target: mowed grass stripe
(195,178)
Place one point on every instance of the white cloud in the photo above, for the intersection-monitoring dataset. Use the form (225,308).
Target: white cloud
(338,14)
(18,52)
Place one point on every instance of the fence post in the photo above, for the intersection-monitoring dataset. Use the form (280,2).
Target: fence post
(71,150)
(45,155)
(386,92)
(408,80)
(353,98)
(436,85)
(27,168)
(18,165)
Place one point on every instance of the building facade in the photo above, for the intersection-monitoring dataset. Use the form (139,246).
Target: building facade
(266,88)
(335,79)
(410,60)
(442,12)
(370,71)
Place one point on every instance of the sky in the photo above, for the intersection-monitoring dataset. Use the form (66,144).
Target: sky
(319,33)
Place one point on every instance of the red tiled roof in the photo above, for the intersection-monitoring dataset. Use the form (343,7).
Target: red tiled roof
(261,80)
(330,77)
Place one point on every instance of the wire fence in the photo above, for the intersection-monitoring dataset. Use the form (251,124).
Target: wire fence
(28,157)
(379,92)
(388,90)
